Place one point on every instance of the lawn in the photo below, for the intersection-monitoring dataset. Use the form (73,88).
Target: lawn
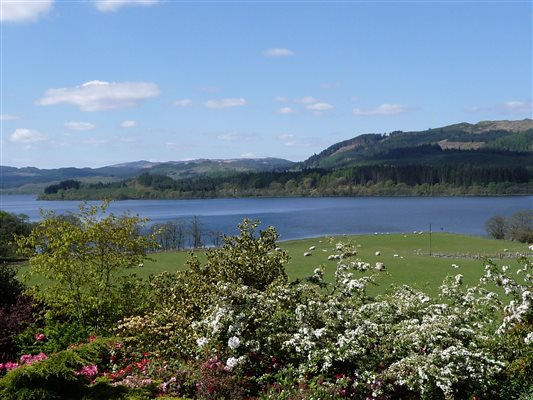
(406,257)
(412,264)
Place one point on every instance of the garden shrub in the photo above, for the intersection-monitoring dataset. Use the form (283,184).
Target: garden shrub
(69,374)
(16,311)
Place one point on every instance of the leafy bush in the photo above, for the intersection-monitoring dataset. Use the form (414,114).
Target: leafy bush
(68,375)
(83,257)
(181,300)
(16,310)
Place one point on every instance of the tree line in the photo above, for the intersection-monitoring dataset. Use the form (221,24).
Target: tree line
(362,180)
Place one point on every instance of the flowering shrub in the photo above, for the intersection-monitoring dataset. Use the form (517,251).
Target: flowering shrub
(182,299)
(215,333)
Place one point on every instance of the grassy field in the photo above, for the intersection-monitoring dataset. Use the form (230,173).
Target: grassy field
(412,264)
(406,257)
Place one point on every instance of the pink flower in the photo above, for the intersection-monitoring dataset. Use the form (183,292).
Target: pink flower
(90,371)
(11,365)
(27,359)
(40,337)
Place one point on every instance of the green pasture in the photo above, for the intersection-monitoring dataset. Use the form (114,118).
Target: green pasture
(406,258)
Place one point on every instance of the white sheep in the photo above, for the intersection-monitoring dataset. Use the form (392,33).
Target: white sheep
(380,266)
(378,253)
(312,248)
(307,254)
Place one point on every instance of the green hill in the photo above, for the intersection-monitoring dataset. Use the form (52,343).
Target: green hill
(504,143)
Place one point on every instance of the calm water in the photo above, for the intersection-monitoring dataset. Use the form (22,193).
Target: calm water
(310,217)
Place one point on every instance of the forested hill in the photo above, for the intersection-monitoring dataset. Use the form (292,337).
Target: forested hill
(488,158)
(487,142)
(34,180)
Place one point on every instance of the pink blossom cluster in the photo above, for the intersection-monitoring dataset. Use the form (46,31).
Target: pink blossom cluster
(28,359)
(90,371)
(25,359)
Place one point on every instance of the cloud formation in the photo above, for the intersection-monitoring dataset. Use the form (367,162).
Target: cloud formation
(319,107)
(278,52)
(225,103)
(8,117)
(79,126)
(114,5)
(231,137)
(383,109)
(286,110)
(183,103)
(306,100)
(128,124)
(290,140)
(99,95)
(516,107)
(23,135)
(24,11)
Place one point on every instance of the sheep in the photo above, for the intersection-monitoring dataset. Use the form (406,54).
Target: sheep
(312,248)
(380,266)
(378,253)
(307,254)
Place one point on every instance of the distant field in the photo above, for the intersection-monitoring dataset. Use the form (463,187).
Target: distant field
(421,271)
(406,257)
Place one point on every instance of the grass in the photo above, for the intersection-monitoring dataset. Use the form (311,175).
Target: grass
(406,257)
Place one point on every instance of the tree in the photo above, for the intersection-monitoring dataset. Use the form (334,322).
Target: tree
(496,227)
(83,257)
(196,241)
(520,226)
(10,225)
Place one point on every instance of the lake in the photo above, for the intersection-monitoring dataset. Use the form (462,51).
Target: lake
(296,218)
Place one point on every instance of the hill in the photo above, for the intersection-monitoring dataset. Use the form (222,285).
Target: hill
(487,158)
(505,143)
(34,180)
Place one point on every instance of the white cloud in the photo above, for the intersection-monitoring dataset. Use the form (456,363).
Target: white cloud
(96,141)
(225,103)
(22,135)
(8,117)
(286,110)
(307,100)
(290,140)
(174,146)
(383,109)
(248,155)
(281,99)
(319,107)
(100,95)
(24,11)
(278,52)
(516,107)
(128,124)
(183,102)
(208,89)
(79,126)
(114,5)
(231,137)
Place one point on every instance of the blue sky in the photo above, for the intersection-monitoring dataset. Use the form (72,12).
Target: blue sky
(89,84)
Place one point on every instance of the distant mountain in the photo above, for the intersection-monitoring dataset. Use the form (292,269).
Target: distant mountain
(30,179)
(508,143)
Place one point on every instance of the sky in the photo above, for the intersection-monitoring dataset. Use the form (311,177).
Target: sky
(95,83)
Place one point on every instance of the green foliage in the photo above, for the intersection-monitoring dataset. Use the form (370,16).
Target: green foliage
(454,176)
(63,185)
(181,299)
(11,225)
(83,257)
(518,227)
(57,377)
